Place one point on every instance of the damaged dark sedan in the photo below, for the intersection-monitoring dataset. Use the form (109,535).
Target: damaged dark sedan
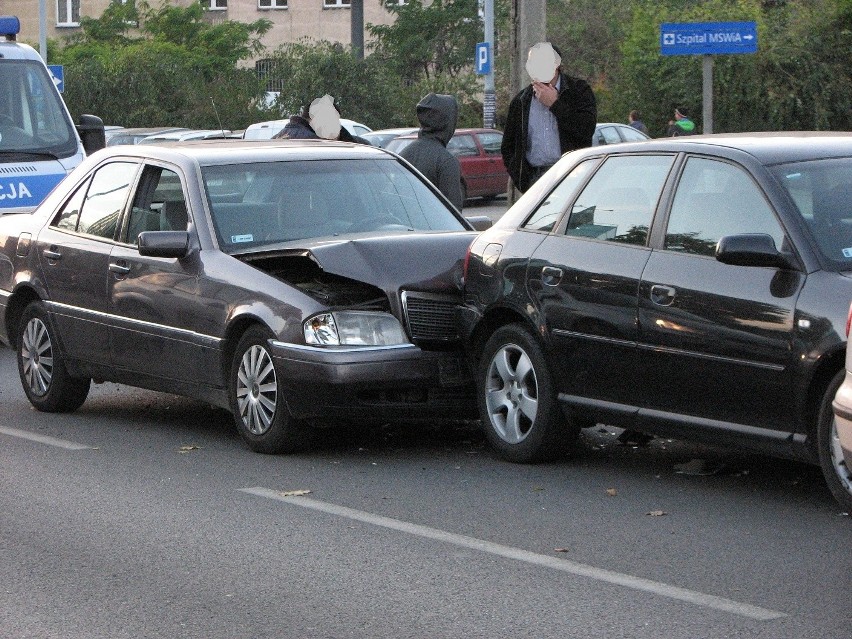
(290,282)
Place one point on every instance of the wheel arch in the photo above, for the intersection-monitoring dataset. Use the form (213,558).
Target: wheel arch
(233,333)
(828,367)
(492,320)
(19,300)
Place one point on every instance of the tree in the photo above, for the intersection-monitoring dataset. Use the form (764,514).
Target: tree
(434,40)
(172,73)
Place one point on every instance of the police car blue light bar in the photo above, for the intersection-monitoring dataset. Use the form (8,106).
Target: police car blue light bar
(10,26)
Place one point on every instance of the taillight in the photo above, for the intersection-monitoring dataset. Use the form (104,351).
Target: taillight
(467,263)
(848,321)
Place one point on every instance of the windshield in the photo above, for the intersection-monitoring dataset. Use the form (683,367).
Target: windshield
(822,191)
(32,116)
(265,203)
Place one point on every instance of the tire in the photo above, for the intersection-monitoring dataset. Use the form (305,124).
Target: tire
(257,403)
(517,399)
(837,474)
(44,377)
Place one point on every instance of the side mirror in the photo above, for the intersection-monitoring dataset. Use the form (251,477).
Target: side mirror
(91,130)
(164,243)
(480,222)
(752,249)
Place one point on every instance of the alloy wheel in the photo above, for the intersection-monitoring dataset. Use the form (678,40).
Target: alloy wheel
(37,357)
(257,390)
(511,393)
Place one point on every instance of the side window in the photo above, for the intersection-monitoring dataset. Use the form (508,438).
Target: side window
(69,215)
(491,142)
(106,198)
(714,199)
(462,145)
(550,211)
(609,135)
(632,135)
(159,204)
(618,203)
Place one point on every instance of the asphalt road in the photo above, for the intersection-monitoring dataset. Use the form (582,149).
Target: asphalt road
(143,515)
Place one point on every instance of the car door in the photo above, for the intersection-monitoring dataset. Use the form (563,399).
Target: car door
(716,339)
(161,320)
(584,278)
(474,166)
(496,177)
(74,254)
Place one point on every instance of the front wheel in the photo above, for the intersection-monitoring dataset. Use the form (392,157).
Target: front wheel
(46,382)
(837,474)
(517,399)
(257,404)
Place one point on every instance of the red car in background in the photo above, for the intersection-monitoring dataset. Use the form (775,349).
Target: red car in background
(478,150)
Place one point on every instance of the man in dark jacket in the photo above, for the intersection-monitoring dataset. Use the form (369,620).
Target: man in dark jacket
(555,114)
(437,114)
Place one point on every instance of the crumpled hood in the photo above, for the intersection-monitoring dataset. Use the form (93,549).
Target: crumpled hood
(418,261)
(437,114)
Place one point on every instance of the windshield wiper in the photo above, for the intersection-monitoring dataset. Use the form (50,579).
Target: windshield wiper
(23,156)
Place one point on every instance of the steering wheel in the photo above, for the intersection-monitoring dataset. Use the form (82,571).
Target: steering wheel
(375,222)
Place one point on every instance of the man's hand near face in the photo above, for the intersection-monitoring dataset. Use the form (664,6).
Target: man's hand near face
(545,93)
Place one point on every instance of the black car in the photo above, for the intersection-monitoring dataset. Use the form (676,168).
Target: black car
(692,288)
(289,281)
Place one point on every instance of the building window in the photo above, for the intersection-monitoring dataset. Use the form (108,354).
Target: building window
(215,5)
(271,4)
(336,4)
(67,13)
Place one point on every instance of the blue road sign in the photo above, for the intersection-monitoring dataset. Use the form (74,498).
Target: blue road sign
(707,38)
(483,58)
(57,73)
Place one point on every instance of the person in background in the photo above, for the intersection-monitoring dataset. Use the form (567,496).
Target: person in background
(319,121)
(635,120)
(437,114)
(555,114)
(681,125)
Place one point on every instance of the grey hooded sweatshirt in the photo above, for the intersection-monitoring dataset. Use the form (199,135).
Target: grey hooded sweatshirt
(437,114)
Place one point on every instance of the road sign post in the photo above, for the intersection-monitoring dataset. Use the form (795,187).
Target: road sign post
(707,39)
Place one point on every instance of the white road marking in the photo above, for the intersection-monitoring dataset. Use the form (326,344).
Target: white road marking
(43,439)
(582,570)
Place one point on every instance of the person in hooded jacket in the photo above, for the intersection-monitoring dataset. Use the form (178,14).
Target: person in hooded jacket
(681,125)
(437,114)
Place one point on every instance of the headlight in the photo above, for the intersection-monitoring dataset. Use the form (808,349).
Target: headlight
(354,328)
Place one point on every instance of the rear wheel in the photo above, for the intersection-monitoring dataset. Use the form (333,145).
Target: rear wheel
(837,473)
(46,382)
(517,399)
(257,404)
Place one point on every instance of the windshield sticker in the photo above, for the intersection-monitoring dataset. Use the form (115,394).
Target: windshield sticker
(847,252)
(236,239)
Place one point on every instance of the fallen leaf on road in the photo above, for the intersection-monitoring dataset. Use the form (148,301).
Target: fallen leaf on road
(657,513)
(612,492)
(294,493)
(560,550)
(186,449)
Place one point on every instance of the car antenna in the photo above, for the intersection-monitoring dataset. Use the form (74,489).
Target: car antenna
(218,119)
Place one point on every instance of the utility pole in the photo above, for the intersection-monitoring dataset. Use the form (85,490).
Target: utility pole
(528,26)
(490,106)
(357,28)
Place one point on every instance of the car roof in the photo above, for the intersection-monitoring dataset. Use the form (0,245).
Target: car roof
(768,147)
(237,150)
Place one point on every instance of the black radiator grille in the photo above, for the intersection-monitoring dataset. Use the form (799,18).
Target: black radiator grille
(430,318)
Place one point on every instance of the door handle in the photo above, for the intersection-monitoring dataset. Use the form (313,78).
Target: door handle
(52,254)
(662,295)
(551,276)
(120,269)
